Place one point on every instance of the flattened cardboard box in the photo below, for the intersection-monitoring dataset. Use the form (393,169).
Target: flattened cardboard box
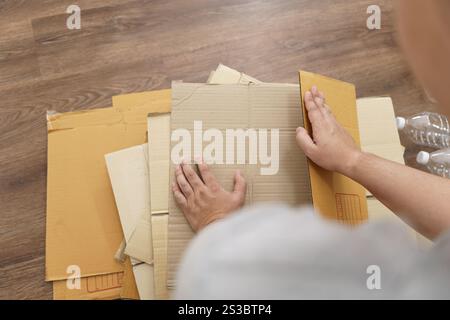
(83,226)
(255,106)
(334,195)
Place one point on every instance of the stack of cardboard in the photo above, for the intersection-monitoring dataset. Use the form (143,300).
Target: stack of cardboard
(113,229)
(84,231)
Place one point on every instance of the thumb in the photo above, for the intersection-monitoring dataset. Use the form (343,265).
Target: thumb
(305,142)
(240,186)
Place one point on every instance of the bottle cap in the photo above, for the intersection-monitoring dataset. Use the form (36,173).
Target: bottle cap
(423,157)
(401,122)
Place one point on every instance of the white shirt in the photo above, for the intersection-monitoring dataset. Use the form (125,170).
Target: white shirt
(277,252)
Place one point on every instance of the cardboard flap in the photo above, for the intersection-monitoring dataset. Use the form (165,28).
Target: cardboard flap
(334,195)
(128,172)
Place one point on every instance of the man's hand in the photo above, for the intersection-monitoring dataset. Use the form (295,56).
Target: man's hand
(331,147)
(202,199)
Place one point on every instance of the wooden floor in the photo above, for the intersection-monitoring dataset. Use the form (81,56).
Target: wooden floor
(129,46)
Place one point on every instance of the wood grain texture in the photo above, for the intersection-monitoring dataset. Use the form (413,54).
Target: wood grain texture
(129,46)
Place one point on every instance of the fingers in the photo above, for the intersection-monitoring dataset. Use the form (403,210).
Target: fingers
(192,177)
(305,142)
(178,195)
(240,186)
(317,94)
(183,184)
(207,175)
(310,104)
(319,99)
(315,115)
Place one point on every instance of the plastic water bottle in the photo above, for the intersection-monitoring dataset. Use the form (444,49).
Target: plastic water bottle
(427,129)
(437,162)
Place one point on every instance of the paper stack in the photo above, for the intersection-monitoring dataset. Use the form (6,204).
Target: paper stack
(113,230)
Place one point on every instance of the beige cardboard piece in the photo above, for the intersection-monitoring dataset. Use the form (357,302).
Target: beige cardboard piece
(378,130)
(128,173)
(126,168)
(238,106)
(143,273)
(226,75)
(158,129)
(377,121)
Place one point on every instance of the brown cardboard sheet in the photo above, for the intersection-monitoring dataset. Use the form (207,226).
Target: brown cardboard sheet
(83,226)
(334,195)
(239,106)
